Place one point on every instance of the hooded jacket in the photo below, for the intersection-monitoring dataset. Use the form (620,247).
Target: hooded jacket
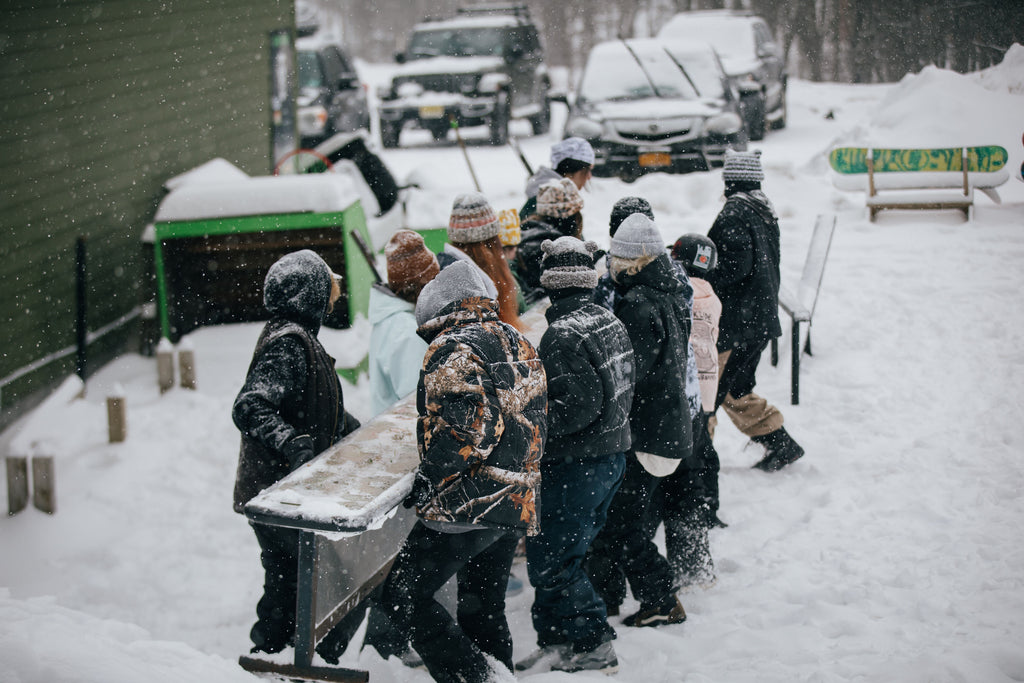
(482,403)
(291,387)
(746,280)
(653,308)
(396,351)
(590,371)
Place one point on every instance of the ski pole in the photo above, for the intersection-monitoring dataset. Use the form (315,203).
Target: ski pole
(522,157)
(465,153)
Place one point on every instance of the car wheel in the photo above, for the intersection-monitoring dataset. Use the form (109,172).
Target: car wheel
(780,122)
(541,121)
(389,134)
(499,121)
(754,116)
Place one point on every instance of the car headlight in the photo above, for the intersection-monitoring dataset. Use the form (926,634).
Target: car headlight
(492,82)
(582,127)
(312,120)
(409,89)
(726,123)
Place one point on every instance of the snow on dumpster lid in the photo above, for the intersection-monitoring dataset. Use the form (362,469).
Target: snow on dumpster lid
(263,195)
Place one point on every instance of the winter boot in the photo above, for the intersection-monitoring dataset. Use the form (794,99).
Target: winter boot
(780,450)
(688,550)
(602,659)
(669,612)
(546,654)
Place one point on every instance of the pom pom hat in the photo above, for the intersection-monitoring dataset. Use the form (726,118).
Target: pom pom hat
(638,236)
(559,199)
(572,148)
(742,167)
(410,264)
(568,263)
(472,219)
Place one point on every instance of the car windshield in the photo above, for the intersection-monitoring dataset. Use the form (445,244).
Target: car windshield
(311,75)
(463,42)
(613,73)
(733,39)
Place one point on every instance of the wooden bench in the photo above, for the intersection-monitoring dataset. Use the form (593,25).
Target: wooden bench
(800,305)
(921,178)
(346,503)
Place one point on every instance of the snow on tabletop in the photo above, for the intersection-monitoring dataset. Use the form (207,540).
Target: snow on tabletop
(263,195)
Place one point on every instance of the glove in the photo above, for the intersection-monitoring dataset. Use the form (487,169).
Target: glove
(422,492)
(299,450)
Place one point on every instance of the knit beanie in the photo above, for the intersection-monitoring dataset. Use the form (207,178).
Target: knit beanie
(559,199)
(510,235)
(627,206)
(568,263)
(410,264)
(461,280)
(472,219)
(742,167)
(572,148)
(637,236)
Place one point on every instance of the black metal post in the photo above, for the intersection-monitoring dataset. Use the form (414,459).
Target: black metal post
(81,329)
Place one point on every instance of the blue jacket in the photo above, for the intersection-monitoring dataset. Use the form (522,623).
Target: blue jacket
(396,351)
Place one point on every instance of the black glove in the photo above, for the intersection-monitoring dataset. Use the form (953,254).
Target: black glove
(299,450)
(422,492)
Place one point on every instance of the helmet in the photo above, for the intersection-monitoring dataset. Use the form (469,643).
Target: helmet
(697,253)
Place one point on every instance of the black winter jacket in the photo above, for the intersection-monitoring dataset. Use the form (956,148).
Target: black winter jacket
(589,364)
(746,233)
(653,308)
(482,403)
(291,387)
(529,255)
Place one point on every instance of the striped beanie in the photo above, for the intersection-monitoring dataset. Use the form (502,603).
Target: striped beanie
(559,199)
(742,167)
(568,263)
(510,234)
(472,219)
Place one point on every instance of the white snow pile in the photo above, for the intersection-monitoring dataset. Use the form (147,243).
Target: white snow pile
(890,552)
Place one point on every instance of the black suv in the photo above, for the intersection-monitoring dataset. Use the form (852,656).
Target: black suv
(331,98)
(750,56)
(482,67)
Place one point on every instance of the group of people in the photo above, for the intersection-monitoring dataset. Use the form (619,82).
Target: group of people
(584,444)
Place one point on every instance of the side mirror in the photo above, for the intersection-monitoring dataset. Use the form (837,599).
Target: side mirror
(348,83)
(400,57)
(768,50)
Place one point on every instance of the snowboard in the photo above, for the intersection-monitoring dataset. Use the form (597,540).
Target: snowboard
(850,160)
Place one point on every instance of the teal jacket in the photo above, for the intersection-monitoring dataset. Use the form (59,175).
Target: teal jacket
(396,351)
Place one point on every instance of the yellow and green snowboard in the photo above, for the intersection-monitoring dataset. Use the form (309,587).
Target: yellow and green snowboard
(851,160)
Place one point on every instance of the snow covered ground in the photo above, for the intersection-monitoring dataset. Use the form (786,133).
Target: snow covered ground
(891,552)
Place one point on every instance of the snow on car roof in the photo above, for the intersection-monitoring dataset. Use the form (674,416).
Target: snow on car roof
(490,21)
(263,195)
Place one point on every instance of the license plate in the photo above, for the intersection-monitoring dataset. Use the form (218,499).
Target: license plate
(431,112)
(651,159)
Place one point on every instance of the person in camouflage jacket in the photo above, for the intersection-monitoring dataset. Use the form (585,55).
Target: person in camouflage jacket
(482,403)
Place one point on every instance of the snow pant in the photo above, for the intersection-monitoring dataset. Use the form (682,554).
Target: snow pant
(624,550)
(687,503)
(575,495)
(481,560)
(751,414)
(275,625)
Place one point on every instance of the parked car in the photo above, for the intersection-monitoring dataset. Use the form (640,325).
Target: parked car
(331,98)
(482,67)
(750,56)
(648,105)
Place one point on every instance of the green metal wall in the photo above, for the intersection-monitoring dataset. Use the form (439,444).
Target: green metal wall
(100,103)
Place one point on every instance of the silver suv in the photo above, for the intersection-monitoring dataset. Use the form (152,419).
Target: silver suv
(750,56)
(482,67)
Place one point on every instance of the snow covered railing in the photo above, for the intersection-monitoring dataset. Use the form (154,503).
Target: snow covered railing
(800,305)
(925,179)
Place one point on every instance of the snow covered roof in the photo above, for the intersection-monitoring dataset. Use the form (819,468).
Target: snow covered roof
(263,195)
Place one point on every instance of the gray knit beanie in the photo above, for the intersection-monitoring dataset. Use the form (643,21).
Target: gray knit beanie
(568,263)
(637,236)
(742,167)
(461,280)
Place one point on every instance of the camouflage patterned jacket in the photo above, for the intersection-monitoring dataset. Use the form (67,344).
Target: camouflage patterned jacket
(482,402)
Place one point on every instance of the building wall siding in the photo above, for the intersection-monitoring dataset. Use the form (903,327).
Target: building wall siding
(100,103)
